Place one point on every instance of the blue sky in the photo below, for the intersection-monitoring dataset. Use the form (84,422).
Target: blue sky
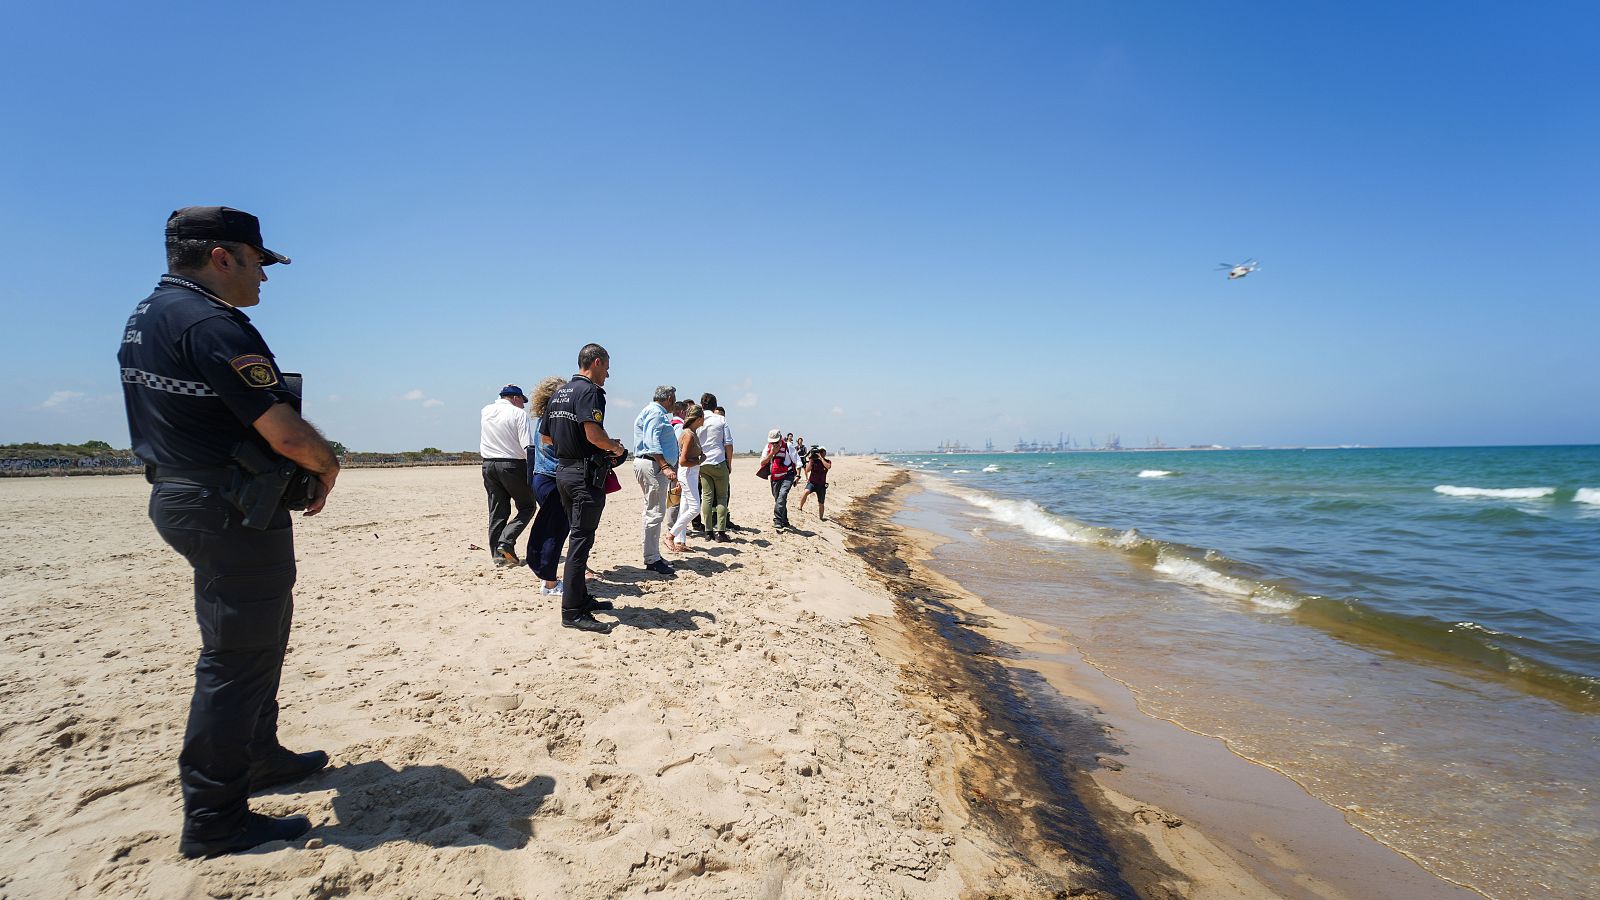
(876,224)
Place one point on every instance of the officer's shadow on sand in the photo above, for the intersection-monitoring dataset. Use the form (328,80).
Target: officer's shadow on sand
(660,619)
(434,806)
(631,575)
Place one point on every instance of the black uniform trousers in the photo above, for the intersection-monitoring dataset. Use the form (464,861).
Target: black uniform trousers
(506,480)
(584,502)
(243,602)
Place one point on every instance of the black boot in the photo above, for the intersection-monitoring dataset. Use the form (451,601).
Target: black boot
(584,621)
(283,766)
(257,830)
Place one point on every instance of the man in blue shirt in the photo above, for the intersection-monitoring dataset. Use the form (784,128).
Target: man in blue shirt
(655,465)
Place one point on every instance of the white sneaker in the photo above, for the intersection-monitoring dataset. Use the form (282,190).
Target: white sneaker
(550,591)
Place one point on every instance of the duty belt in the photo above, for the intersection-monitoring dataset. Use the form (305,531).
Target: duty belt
(220,478)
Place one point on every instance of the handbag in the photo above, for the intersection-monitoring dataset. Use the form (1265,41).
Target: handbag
(612,484)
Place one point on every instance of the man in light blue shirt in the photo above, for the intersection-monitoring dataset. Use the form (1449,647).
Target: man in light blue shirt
(655,465)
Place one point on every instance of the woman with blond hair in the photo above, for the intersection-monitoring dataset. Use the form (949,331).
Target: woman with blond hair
(690,456)
(549,529)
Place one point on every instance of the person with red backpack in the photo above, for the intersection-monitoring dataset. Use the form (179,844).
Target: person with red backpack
(780,465)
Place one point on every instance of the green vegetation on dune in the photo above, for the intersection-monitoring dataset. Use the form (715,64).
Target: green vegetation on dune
(33,450)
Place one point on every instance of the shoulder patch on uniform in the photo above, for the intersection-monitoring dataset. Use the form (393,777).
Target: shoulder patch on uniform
(599,416)
(256,370)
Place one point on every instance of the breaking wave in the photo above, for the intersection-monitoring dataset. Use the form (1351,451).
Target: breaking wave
(1192,571)
(1528,493)
(1587,495)
(1154,473)
(1205,569)
(991,468)
(1027,515)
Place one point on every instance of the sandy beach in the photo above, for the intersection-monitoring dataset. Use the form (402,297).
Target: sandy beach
(785,718)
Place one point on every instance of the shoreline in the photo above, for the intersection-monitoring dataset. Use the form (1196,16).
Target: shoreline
(1157,789)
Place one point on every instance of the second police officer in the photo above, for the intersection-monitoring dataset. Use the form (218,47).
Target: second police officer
(220,434)
(574,425)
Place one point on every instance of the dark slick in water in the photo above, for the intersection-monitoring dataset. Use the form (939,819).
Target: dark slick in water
(1067,813)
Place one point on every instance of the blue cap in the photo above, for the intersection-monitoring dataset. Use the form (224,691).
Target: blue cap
(512,390)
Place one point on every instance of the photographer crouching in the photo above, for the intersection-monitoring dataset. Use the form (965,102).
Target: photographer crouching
(218,427)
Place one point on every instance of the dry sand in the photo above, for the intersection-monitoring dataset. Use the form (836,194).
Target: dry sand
(773,722)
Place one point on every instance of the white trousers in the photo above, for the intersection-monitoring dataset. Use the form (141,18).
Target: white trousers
(688,502)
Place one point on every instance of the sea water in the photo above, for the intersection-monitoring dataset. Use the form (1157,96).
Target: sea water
(1412,634)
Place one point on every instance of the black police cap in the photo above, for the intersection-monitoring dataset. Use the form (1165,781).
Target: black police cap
(221,223)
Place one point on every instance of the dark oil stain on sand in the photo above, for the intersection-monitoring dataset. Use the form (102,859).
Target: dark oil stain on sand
(1027,779)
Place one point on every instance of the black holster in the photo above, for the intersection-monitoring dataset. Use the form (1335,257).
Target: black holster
(595,469)
(267,481)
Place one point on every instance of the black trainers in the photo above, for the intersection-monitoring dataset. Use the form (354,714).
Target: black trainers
(591,604)
(661,567)
(585,621)
(285,767)
(723,536)
(257,830)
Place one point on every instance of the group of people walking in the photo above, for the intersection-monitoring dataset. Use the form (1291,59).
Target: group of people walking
(550,457)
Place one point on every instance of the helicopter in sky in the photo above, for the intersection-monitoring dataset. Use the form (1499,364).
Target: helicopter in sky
(1240,270)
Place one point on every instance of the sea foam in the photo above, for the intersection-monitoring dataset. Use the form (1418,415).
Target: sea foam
(991,468)
(1587,495)
(1027,515)
(1192,571)
(1154,473)
(1530,493)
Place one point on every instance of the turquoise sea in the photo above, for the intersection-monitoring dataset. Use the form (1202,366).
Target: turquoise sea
(1412,634)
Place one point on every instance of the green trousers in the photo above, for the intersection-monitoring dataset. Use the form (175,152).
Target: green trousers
(714,496)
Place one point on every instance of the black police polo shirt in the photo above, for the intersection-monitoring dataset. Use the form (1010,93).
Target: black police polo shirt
(574,403)
(195,376)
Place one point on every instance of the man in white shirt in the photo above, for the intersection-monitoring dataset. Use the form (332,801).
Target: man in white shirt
(718,448)
(502,442)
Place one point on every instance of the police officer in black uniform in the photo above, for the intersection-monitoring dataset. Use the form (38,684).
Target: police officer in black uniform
(574,425)
(221,436)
